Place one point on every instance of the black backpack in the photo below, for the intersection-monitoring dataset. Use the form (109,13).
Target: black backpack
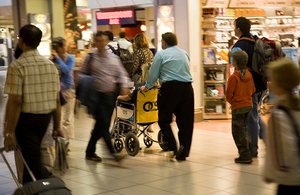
(125,57)
(263,53)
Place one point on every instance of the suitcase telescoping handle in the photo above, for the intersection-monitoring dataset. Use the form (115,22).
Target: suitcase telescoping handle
(10,169)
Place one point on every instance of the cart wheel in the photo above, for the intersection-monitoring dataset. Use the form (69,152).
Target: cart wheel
(148,142)
(162,141)
(132,144)
(118,145)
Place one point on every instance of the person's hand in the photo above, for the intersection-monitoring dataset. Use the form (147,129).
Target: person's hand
(54,54)
(57,133)
(124,91)
(10,143)
(144,89)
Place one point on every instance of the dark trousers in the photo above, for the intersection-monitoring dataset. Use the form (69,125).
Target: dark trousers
(178,98)
(240,134)
(288,190)
(30,131)
(103,115)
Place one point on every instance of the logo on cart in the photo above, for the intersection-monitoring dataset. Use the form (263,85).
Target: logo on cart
(150,106)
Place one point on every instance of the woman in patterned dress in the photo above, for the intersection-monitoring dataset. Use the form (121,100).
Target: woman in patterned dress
(142,55)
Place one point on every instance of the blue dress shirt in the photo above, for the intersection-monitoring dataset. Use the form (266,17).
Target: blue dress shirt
(171,64)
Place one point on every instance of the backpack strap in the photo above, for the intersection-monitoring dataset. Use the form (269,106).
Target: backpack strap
(294,123)
(113,49)
(247,39)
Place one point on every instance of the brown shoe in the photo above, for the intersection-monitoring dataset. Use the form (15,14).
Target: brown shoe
(93,157)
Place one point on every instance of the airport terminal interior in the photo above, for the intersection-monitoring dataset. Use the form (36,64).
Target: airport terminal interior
(205,30)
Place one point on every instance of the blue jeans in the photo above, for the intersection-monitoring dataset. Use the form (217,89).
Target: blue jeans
(255,124)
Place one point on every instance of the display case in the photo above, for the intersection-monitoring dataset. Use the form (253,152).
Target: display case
(215,80)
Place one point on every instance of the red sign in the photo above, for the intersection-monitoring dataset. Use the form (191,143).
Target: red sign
(114,21)
(114,14)
(115,17)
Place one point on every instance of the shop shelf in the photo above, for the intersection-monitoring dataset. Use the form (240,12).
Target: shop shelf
(214,98)
(281,26)
(214,82)
(214,113)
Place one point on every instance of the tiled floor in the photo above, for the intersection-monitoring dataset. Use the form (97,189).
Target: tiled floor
(210,169)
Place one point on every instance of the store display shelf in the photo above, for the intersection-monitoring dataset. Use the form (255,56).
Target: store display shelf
(282,16)
(214,98)
(214,82)
(214,65)
(214,113)
(209,28)
(281,26)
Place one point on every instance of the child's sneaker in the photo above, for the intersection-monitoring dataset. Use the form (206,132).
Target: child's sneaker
(243,161)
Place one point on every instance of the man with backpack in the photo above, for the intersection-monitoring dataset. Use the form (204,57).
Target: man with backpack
(113,46)
(124,44)
(124,51)
(246,43)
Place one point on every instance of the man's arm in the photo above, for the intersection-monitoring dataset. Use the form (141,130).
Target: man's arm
(13,110)
(122,78)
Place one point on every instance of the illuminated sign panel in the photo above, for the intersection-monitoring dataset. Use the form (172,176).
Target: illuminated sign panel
(115,17)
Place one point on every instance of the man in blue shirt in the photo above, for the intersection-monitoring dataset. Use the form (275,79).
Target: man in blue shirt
(176,95)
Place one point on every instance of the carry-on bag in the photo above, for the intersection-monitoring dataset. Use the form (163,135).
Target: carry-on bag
(48,186)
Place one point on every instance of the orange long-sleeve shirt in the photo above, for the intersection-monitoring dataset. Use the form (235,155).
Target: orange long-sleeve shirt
(239,90)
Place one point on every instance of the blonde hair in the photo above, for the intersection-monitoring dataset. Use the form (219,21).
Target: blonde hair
(140,41)
(287,75)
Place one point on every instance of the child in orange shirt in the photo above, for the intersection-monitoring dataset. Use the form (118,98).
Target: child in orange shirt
(240,88)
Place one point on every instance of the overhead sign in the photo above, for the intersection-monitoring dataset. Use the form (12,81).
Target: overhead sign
(245,3)
(217,3)
(295,3)
(257,3)
(276,3)
(115,17)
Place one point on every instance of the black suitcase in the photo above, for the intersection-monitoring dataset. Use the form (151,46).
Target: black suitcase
(49,186)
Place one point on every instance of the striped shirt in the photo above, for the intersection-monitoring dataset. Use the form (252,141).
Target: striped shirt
(36,79)
(108,68)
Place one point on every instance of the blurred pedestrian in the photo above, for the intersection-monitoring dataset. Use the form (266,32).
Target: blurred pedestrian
(282,165)
(107,71)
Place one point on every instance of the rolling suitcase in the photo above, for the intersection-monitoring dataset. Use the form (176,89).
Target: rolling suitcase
(48,186)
